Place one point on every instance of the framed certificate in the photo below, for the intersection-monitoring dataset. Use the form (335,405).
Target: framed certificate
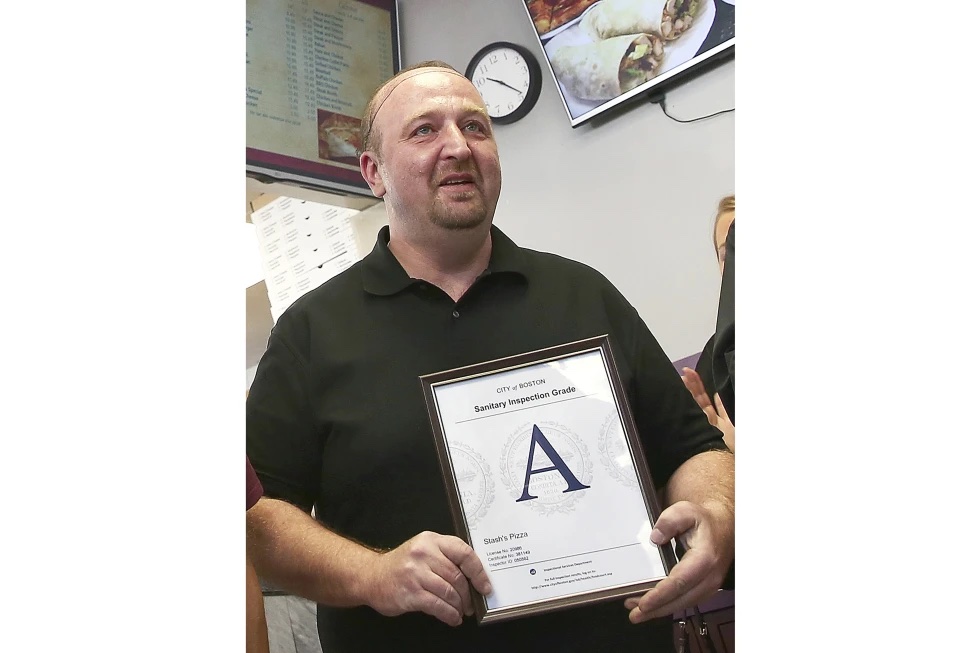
(546,479)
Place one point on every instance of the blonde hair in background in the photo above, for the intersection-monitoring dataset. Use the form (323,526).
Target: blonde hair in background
(726,205)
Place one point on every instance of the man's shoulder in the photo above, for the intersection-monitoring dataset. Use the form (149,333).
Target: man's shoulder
(341,287)
(562,279)
(579,277)
(549,262)
(320,305)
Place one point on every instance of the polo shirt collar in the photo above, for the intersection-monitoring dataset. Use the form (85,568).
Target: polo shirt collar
(384,275)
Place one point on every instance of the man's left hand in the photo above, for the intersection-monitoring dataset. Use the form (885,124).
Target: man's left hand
(704,531)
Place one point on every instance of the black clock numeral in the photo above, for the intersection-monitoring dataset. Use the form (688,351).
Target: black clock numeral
(483,69)
(493,58)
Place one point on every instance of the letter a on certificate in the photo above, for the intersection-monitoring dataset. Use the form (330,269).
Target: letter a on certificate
(538,439)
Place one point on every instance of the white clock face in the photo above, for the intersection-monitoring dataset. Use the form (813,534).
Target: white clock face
(502,78)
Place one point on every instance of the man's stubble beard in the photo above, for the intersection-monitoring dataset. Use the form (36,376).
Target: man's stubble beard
(443,216)
(459,220)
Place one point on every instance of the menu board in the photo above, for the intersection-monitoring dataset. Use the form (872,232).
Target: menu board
(311,67)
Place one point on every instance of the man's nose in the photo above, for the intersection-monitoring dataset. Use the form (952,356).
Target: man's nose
(455,143)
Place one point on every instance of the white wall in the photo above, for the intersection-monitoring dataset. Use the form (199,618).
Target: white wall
(634,197)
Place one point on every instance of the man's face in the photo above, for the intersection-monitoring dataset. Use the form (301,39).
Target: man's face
(721,236)
(437,163)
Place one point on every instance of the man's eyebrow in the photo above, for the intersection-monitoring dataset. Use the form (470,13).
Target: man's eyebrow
(431,113)
(478,110)
(421,115)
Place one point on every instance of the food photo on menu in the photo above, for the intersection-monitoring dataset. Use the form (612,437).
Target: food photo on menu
(600,50)
(338,136)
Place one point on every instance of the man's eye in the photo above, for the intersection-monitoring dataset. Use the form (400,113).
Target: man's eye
(474,127)
(423,130)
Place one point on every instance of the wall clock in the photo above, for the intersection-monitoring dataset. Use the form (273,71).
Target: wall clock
(508,77)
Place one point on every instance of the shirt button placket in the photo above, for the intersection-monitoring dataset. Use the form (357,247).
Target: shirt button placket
(455,313)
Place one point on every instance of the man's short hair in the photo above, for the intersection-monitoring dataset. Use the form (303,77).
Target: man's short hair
(369,141)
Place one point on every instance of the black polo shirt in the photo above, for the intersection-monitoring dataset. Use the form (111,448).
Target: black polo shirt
(336,418)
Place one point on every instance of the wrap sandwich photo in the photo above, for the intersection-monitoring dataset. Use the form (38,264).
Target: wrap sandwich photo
(667,19)
(608,68)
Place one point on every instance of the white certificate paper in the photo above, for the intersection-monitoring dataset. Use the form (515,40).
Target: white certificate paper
(538,463)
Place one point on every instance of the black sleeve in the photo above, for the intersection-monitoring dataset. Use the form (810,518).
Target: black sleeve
(704,368)
(280,438)
(723,358)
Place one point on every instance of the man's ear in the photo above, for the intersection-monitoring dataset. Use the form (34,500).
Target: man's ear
(371,173)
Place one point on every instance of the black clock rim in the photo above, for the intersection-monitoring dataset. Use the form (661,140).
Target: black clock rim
(534,86)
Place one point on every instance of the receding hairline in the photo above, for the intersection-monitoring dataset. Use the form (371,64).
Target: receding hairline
(473,107)
(386,88)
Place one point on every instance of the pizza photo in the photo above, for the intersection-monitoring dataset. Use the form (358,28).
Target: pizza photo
(338,136)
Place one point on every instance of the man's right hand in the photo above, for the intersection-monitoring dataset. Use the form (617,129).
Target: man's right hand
(428,573)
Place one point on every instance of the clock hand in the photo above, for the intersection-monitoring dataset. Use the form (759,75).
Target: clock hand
(503,84)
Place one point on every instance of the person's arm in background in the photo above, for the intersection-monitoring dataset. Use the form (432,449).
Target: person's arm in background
(256,629)
(714,411)
(723,359)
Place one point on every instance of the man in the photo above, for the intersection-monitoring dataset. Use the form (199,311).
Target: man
(336,415)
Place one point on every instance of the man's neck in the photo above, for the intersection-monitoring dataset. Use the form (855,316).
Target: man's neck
(452,261)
